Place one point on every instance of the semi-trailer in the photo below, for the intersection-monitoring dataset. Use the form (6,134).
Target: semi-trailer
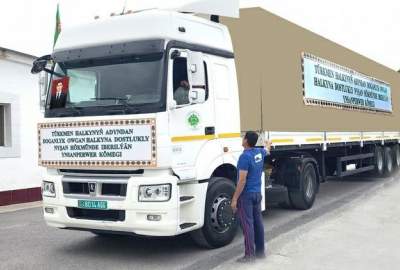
(124,155)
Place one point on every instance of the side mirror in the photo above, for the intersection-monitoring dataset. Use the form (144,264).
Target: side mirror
(196,71)
(197,77)
(197,95)
(172,105)
(40,64)
(43,84)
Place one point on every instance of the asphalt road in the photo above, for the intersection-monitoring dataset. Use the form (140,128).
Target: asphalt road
(27,243)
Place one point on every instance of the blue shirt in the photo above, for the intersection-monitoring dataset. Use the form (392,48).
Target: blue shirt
(252,161)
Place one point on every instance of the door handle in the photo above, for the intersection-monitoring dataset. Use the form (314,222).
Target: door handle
(209,130)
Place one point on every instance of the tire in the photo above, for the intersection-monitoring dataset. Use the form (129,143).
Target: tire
(389,161)
(303,198)
(285,205)
(379,161)
(217,230)
(396,155)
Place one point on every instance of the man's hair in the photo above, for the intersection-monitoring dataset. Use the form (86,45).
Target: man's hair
(251,138)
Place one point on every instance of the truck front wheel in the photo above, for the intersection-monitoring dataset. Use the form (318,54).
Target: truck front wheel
(220,225)
(303,197)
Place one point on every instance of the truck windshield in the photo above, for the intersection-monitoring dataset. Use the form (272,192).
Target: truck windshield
(120,85)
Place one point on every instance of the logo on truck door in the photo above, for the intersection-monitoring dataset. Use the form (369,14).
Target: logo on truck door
(193,119)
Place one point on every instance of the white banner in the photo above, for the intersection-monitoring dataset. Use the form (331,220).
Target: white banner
(113,143)
(326,82)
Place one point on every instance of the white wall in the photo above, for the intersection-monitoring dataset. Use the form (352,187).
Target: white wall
(18,163)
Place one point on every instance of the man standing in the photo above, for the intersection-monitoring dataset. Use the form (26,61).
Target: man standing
(246,200)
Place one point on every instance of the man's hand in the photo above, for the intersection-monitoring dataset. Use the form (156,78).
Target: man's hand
(234,206)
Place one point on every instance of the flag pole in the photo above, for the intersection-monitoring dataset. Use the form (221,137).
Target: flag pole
(123,10)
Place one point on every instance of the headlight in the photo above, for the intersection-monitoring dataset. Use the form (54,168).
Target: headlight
(155,193)
(48,189)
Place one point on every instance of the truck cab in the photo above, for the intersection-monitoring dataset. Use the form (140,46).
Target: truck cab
(148,136)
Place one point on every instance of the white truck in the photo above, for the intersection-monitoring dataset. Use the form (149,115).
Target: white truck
(125,155)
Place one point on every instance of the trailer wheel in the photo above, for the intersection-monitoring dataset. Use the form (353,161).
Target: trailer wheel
(396,155)
(220,224)
(388,158)
(379,161)
(303,198)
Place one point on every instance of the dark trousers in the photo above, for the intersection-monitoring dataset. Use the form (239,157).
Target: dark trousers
(249,213)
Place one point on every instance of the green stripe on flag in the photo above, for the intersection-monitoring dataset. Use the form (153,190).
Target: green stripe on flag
(58,25)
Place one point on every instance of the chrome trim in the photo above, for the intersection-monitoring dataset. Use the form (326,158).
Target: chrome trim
(98,181)
(103,179)
(92,198)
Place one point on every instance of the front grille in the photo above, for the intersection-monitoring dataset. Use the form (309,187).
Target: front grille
(91,172)
(106,189)
(113,189)
(75,188)
(94,214)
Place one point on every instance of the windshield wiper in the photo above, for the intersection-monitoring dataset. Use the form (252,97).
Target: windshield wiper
(76,109)
(126,109)
(72,111)
(124,103)
(106,98)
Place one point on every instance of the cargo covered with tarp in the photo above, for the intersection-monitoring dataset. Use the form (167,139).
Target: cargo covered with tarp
(291,79)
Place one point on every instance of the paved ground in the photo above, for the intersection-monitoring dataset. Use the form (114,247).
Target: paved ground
(363,235)
(27,243)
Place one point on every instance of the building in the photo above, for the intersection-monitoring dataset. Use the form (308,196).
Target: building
(20,97)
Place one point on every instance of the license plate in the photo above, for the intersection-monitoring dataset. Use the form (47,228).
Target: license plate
(92,204)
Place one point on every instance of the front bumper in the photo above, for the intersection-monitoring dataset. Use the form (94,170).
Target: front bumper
(136,212)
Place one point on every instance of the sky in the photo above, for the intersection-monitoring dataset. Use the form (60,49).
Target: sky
(369,27)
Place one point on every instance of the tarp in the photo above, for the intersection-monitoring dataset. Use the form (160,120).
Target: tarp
(269,54)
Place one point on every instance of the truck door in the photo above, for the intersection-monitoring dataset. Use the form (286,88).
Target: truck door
(192,125)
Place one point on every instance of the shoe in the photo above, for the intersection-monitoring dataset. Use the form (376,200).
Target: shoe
(246,259)
(261,256)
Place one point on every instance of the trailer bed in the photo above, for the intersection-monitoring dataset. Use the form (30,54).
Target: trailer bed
(329,138)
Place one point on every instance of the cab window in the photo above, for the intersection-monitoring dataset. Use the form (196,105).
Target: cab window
(181,84)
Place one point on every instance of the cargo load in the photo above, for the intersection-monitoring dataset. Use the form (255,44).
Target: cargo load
(270,53)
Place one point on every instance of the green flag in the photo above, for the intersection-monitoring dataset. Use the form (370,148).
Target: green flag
(58,25)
